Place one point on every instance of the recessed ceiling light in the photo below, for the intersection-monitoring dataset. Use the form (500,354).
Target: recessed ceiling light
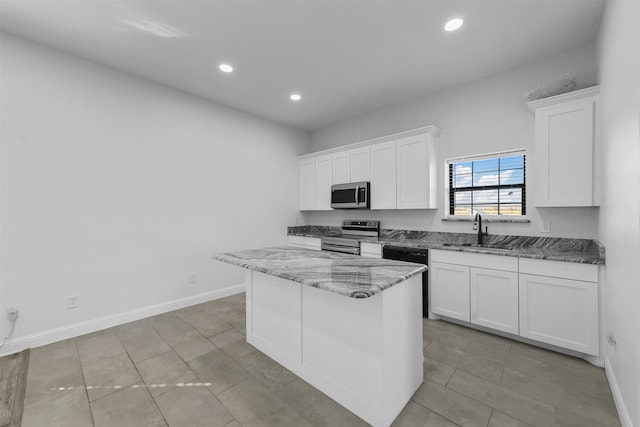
(295,97)
(453,24)
(226,68)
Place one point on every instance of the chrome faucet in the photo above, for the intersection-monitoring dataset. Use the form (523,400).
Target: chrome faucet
(477,225)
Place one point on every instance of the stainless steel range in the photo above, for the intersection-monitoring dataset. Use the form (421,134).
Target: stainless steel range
(349,240)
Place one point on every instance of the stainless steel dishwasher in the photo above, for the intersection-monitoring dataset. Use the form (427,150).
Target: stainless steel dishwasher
(419,256)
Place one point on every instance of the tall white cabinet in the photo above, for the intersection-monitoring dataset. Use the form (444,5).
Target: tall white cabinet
(566,170)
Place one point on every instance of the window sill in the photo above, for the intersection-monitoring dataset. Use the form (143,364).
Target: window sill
(487,219)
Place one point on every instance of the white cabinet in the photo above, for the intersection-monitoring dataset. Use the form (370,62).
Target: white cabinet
(370,250)
(360,162)
(566,170)
(477,288)
(383,175)
(449,290)
(324,180)
(494,299)
(352,165)
(557,309)
(304,242)
(307,184)
(341,168)
(415,170)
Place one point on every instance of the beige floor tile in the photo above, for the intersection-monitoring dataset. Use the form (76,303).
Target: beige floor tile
(491,339)
(317,407)
(44,375)
(437,371)
(218,369)
(232,343)
(498,419)
(266,370)
(452,405)
(446,338)
(133,329)
(169,325)
(488,351)
(510,402)
(190,345)
(485,368)
(238,322)
(52,352)
(108,375)
(99,345)
(69,408)
(577,365)
(193,407)
(144,346)
(414,415)
(129,407)
(252,404)
(561,396)
(164,372)
(206,323)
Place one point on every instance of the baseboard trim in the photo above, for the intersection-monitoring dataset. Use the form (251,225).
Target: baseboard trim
(93,325)
(625,418)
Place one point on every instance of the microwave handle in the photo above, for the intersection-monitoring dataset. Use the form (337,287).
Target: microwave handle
(357,191)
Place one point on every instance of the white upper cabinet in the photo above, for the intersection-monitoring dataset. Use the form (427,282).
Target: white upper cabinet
(324,180)
(360,159)
(566,169)
(401,169)
(415,166)
(341,168)
(383,175)
(307,184)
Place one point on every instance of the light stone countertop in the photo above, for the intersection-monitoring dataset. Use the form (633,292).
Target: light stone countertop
(582,251)
(349,275)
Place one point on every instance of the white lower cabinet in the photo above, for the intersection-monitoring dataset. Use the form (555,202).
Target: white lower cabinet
(547,301)
(304,242)
(494,299)
(449,287)
(560,310)
(370,250)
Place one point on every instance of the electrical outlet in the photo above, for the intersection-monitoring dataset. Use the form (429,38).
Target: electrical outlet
(12,313)
(73,301)
(193,278)
(545,227)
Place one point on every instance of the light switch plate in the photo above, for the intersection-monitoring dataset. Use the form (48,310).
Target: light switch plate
(545,227)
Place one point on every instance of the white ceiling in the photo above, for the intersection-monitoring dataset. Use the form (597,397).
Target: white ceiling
(345,57)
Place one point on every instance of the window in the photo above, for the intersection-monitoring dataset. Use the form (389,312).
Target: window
(488,185)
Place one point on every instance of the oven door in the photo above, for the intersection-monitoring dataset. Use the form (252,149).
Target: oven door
(350,196)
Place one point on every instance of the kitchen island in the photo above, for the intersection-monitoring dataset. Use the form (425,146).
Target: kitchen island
(348,325)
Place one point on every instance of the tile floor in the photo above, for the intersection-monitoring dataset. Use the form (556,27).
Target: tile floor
(192,367)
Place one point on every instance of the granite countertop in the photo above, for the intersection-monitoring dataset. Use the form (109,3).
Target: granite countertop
(349,275)
(583,251)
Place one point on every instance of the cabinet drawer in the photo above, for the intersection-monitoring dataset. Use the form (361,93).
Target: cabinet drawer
(295,240)
(372,250)
(564,270)
(495,262)
(312,243)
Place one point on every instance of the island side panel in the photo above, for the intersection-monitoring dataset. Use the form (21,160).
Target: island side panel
(342,349)
(403,345)
(274,318)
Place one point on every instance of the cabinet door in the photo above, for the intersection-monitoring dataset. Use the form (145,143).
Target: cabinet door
(307,184)
(494,299)
(564,154)
(383,175)
(412,173)
(449,290)
(341,168)
(561,312)
(324,179)
(360,159)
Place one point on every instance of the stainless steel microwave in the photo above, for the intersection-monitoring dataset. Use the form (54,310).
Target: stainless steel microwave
(350,196)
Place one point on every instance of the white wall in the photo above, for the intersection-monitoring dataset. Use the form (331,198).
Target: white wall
(115,188)
(619,59)
(484,116)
